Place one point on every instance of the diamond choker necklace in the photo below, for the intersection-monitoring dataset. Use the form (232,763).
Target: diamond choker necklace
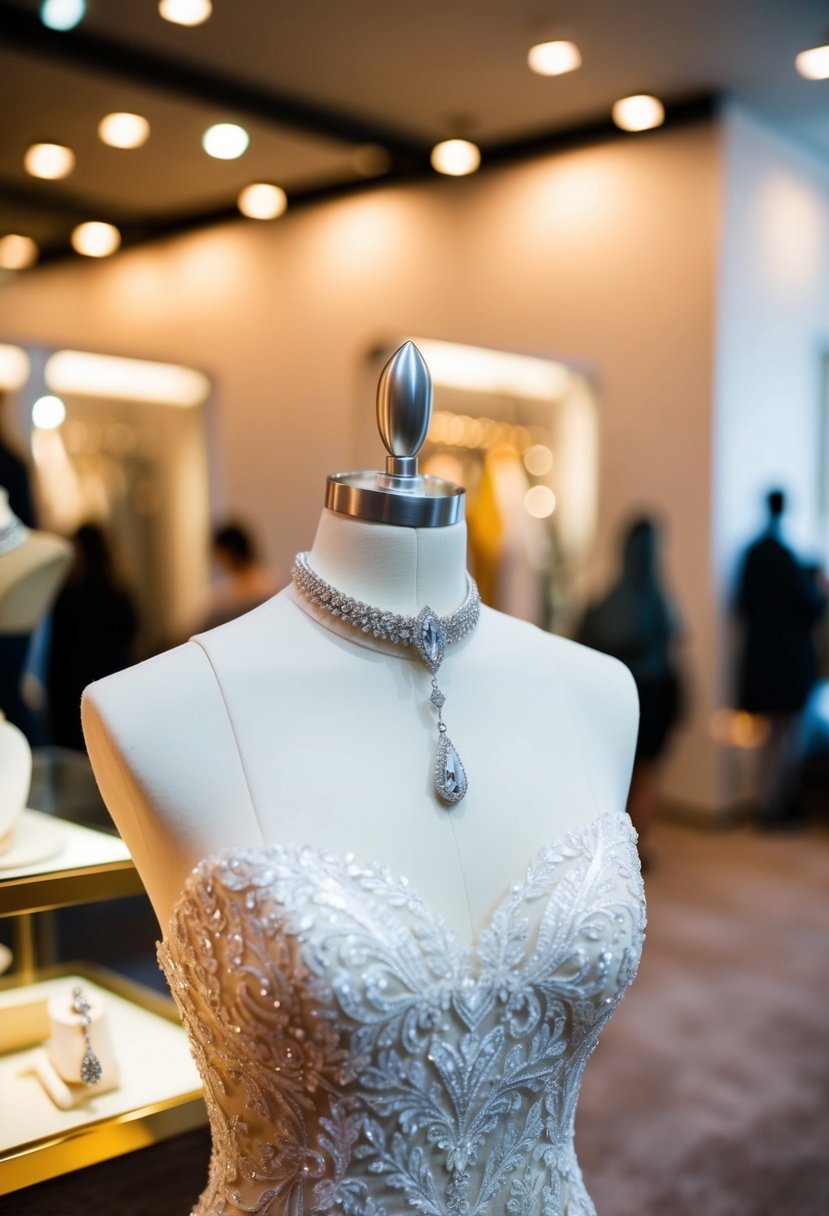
(429,633)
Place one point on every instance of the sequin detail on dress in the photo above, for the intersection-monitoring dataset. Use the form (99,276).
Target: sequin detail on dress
(357,1059)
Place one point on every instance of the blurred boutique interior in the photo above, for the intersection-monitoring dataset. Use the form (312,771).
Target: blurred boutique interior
(236,238)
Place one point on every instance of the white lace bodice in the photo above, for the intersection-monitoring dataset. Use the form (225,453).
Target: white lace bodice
(358,1059)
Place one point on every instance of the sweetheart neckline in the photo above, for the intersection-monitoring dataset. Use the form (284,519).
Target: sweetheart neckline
(346,861)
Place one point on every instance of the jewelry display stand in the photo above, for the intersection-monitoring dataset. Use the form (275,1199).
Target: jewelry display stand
(156,1091)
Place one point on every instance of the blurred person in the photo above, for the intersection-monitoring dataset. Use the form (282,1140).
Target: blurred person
(243,581)
(637,623)
(779,602)
(94,624)
(14,648)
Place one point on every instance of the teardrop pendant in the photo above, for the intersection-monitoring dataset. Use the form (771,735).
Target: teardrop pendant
(90,1067)
(450,775)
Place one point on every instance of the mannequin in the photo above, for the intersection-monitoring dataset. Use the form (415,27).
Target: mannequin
(31,572)
(390,999)
(287,725)
(31,575)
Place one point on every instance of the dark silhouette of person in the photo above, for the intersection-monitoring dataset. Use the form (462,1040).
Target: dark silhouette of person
(243,581)
(779,602)
(93,628)
(14,647)
(637,623)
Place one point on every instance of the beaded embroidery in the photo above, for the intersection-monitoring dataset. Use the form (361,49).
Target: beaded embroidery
(356,1058)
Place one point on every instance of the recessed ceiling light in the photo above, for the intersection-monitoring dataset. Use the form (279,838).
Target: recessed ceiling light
(638,113)
(62,14)
(185,12)
(262,201)
(225,141)
(814,63)
(456,157)
(48,413)
(17,252)
(49,161)
(554,58)
(95,239)
(124,130)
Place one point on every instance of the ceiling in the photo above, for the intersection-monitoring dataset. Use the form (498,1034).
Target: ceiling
(339,95)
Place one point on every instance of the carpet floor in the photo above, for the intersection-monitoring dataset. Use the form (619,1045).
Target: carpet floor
(709,1092)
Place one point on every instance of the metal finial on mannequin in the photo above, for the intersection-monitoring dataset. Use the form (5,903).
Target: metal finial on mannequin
(400,495)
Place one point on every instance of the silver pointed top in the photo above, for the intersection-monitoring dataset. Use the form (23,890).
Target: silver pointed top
(400,495)
(404,402)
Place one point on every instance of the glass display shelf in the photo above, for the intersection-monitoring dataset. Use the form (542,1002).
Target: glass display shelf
(158,1095)
(62,863)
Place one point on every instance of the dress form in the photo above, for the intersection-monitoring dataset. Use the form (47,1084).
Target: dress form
(287,726)
(30,575)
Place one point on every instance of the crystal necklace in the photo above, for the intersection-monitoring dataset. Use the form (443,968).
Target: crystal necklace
(429,633)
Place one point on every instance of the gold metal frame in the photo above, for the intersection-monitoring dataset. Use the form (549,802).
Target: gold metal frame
(101,1139)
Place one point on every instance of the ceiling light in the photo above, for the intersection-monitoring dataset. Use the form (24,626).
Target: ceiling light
(124,130)
(14,367)
(62,14)
(638,113)
(456,157)
(261,201)
(185,12)
(95,239)
(225,141)
(50,161)
(814,63)
(554,58)
(17,252)
(80,373)
(48,413)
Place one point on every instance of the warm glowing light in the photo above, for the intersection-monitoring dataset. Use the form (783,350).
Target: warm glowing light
(48,413)
(49,161)
(17,252)
(813,64)
(554,58)
(538,459)
(493,371)
(262,201)
(225,141)
(14,367)
(456,157)
(95,239)
(185,12)
(736,728)
(540,502)
(123,130)
(89,375)
(638,113)
(62,14)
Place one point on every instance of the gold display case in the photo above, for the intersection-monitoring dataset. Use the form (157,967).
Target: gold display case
(159,1093)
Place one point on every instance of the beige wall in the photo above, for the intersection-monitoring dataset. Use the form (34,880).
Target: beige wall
(604,256)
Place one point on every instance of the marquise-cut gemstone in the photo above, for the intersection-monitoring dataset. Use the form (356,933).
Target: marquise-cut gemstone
(430,639)
(450,775)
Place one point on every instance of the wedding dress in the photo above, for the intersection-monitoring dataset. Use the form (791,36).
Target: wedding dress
(357,1058)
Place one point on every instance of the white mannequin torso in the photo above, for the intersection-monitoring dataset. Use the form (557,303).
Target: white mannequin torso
(287,726)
